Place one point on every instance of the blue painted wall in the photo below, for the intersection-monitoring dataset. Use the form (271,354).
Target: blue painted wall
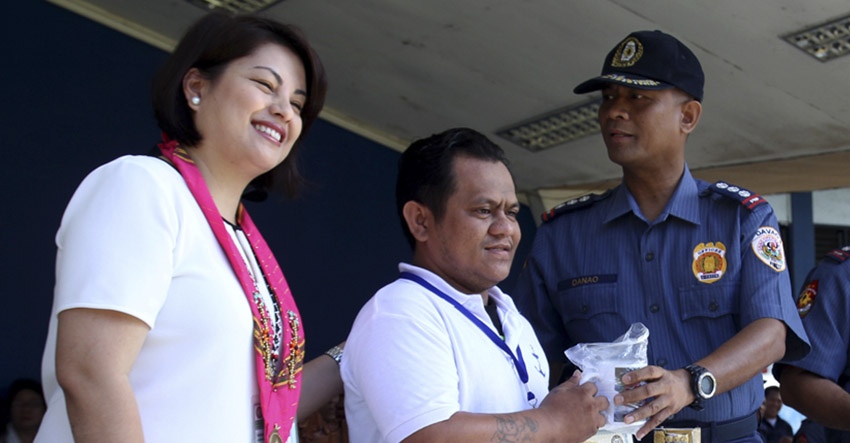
(75,94)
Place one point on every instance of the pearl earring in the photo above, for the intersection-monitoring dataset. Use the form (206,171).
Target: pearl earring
(196,100)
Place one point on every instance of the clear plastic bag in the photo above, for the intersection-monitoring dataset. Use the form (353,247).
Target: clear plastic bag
(605,363)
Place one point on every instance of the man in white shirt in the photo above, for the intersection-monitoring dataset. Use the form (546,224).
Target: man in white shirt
(442,353)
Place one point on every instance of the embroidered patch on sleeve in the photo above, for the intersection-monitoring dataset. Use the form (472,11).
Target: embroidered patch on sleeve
(709,261)
(767,245)
(807,298)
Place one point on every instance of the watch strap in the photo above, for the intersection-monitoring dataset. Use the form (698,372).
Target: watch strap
(335,353)
(697,372)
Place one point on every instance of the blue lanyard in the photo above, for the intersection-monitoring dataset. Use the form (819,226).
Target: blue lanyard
(519,363)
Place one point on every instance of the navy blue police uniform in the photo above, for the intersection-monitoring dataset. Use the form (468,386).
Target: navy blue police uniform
(824,306)
(810,432)
(709,265)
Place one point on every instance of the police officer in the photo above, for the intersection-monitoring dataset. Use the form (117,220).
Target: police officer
(772,427)
(819,385)
(701,265)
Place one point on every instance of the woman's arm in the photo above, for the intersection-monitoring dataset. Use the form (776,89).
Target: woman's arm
(95,351)
(320,383)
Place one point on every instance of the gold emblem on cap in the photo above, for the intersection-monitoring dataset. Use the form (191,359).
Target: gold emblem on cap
(628,53)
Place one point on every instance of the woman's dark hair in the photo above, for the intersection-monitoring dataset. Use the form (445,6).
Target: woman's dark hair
(426,169)
(210,45)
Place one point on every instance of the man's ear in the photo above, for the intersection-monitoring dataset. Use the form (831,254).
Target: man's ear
(691,111)
(194,85)
(419,220)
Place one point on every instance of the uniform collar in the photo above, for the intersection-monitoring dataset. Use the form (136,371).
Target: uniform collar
(683,204)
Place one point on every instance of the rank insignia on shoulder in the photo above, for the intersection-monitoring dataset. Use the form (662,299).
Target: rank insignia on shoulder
(807,298)
(747,198)
(573,204)
(840,255)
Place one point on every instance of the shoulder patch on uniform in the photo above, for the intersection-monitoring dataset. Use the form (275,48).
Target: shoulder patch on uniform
(747,198)
(807,298)
(839,255)
(767,245)
(573,204)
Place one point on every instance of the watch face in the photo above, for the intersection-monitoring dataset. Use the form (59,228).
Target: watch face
(706,385)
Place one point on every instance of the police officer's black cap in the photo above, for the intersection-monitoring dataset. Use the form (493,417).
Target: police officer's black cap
(649,60)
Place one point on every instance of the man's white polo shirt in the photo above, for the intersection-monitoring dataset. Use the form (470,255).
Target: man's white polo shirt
(412,360)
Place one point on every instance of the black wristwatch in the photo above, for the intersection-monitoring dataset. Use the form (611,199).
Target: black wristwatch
(703,384)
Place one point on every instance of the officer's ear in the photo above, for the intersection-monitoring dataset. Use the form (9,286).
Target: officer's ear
(691,111)
(419,218)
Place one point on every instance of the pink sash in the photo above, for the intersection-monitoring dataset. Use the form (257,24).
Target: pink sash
(279,378)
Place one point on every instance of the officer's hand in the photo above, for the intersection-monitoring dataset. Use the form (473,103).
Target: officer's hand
(670,390)
(574,409)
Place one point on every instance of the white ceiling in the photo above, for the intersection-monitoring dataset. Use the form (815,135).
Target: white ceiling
(403,69)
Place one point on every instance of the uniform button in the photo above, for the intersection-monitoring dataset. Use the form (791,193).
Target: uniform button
(584,309)
(650,257)
(661,362)
(713,306)
(654,308)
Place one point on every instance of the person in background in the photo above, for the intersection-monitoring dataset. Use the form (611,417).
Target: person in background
(26,406)
(171,319)
(442,354)
(819,385)
(701,265)
(772,427)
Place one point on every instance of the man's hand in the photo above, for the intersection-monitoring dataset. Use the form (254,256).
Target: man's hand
(574,409)
(670,391)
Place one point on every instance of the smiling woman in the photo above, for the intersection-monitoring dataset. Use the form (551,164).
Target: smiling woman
(250,116)
(172,320)
(209,49)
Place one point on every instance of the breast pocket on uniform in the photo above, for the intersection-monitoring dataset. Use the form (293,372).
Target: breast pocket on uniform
(712,301)
(587,297)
